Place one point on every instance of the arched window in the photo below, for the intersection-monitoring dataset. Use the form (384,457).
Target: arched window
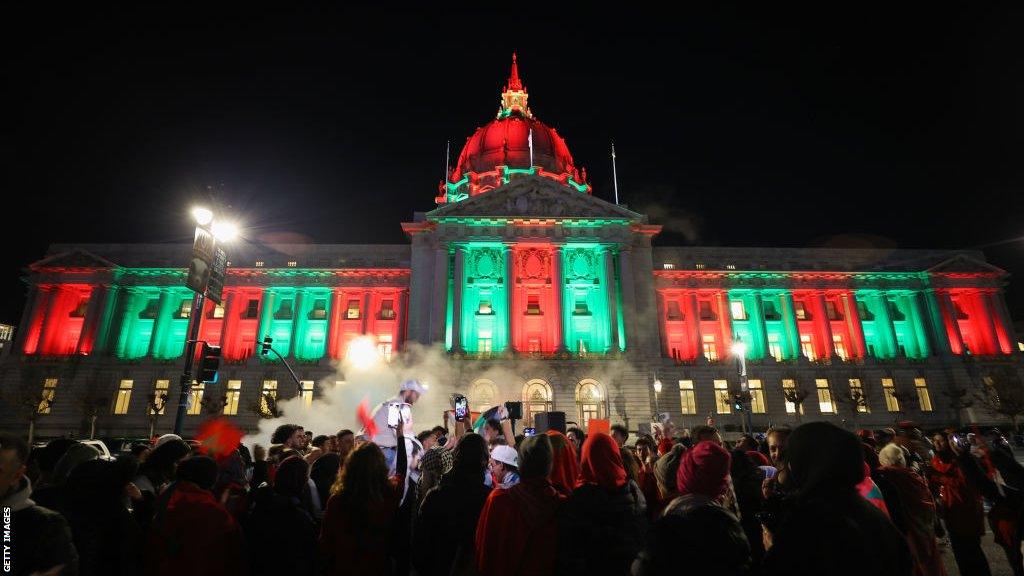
(536,398)
(590,401)
(482,395)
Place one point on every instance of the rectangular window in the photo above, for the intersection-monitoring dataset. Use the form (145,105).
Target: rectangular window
(79,310)
(775,347)
(839,346)
(895,314)
(788,385)
(292,264)
(387,310)
(924,400)
(706,312)
(284,310)
(307,393)
(269,390)
(49,393)
(770,312)
(252,309)
(216,312)
(857,394)
(484,308)
(710,350)
(259,263)
(195,399)
(892,403)
(184,309)
(533,304)
(673,312)
(581,306)
(722,397)
(319,311)
(384,346)
(756,396)
(686,397)
(151,310)
(533,345)
(807,347)
(739,312)
(832,311)
(484,342)
(124,397)
(231,395)
(160,396)
(864,312)
(801,311)
(352,310)
(825,403)
(960,314)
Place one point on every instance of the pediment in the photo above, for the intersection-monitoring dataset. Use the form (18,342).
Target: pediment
(73,259)
(963,264)
(534,197)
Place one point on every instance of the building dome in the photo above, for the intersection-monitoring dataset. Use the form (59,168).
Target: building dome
(513,143)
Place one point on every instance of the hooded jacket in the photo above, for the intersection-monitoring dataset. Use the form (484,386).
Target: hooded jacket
(446,525)
(41,536)
(517,533)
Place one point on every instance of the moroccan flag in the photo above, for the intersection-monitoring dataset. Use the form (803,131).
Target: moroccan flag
(218,438)
(364,416)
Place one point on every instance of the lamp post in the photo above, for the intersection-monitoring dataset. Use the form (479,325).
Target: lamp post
(739,349)
(657,390)
(207,234)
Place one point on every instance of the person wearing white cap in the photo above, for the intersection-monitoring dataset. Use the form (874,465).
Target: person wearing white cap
(408,393)
(504,466)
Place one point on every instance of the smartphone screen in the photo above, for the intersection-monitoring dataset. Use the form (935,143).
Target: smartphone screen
(461,409)
(394,415)
(529,431)
(406,411)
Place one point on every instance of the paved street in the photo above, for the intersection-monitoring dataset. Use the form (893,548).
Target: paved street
(996,558)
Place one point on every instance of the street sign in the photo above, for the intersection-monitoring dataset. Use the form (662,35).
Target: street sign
(202,261)
(215,286)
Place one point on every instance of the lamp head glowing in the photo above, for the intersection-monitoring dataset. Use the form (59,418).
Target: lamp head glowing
(657,386)
(362,353)
(739,349)
(225,231)
(202,215)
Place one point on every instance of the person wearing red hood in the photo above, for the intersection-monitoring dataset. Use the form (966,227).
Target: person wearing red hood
(564,469)
(518,532)
(602,525)
(695,525)
(192,533)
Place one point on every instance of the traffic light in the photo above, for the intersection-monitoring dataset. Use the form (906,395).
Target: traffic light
(265,347)
(209,362)
(737,404)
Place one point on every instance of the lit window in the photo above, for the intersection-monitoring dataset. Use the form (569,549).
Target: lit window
(673,312)
(231,396)
(698,266)
(589,401)
(385,346)
(387,310)
(352,311)
(319,311)
(124,397)
(756,396)
(839,346)
(259,263)
(864,312)
(775,347)
(924,400)
(80,309)
(195,399)
(825,403)
(151,310)
(807,347)
(46,398)
(831,311)
(737,309)
(770,313)
(730,266)
(686,397)
(857,394)
(292,264)
(536,399)
(485,307)
(722,397)
(706,312)
(484,342)
(581,306)
(801,311)
(710,350)
(217,312)
(160,396)
(892,403)
(307,393)
(533,345)
(787,385)
(185,309)
(269,391)
(669,266)
(533,304)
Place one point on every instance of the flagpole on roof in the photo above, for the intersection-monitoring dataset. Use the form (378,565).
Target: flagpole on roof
(447,157)
(615,175)
(530,141)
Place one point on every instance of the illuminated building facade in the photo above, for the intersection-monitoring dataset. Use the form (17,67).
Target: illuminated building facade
(521,268)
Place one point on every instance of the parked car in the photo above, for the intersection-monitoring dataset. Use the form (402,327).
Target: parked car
(101,447)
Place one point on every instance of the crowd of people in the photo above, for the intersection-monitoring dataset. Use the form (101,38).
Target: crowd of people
(816,499)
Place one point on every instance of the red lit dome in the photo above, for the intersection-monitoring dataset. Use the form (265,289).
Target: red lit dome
(498,151)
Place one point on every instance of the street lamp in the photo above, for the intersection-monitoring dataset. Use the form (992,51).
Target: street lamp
(739,349)
(207,260)
(657,390)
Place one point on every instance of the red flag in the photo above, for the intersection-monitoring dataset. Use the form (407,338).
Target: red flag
(218,437)
(363,413)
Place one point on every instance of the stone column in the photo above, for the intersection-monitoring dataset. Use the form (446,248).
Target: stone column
(365,317)
(992,334)
(459,279)
(883,324)
(610,294)
(228,323)
(760,328)
(792,329)
(87,337)
(558,285)
(629,297)
(952,323)
(998,306)
(299,322)
(108,322)
(853,322)
(165,308)
(510,283)
(824,324)
(937,335)
(47,296)
(693,323)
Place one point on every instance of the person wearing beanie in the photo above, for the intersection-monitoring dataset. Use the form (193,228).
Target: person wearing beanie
(601,526)
(829,527)
(517,532)
(192,533)
(665,470)
(695,524)
(446,525)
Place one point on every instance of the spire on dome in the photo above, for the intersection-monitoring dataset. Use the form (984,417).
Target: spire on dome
(514,97)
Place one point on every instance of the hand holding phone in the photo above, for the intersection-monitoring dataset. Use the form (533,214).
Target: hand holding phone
(394,414)
(461,408)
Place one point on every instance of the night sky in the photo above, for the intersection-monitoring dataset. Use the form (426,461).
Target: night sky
(889,126)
